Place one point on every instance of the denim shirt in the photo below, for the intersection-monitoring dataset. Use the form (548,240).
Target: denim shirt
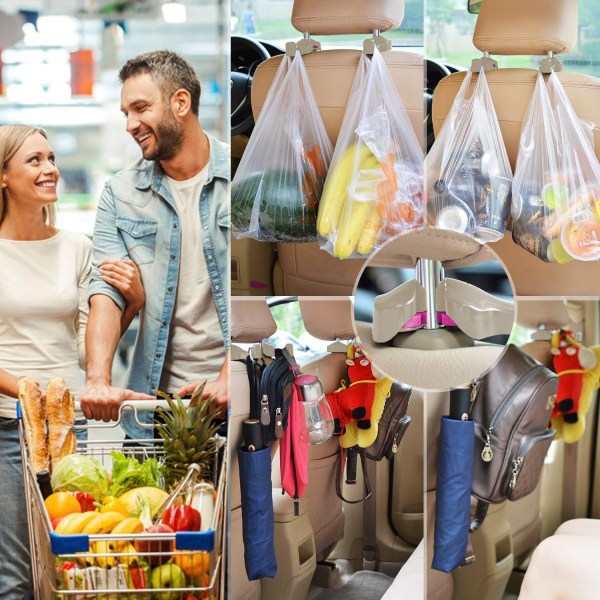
(137,218)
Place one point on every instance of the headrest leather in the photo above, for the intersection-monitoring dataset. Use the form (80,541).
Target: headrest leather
(328,17)
(327,319)
(251,320)
(453,249)
(530,27)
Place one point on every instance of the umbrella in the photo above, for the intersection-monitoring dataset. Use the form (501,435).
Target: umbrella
(453,487)
(258,523)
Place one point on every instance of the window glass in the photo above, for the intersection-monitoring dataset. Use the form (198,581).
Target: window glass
(270,20)
(450,38)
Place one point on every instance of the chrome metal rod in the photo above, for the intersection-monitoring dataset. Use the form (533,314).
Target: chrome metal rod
(428,274)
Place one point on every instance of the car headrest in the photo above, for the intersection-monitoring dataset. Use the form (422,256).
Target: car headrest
(328,319)
(453,249)
(333,17)
(552,314)
(534,27)
(251,320)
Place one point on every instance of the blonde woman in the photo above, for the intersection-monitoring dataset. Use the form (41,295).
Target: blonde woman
(44,275)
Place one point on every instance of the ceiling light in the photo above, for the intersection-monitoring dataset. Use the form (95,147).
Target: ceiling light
(174,12)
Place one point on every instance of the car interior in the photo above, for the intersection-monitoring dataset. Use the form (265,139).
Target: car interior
(544,545)
(511,560)
(264,268)
(320,550)
(504,29)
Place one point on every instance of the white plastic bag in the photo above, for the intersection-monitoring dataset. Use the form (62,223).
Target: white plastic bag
(556,190)
(278,184)
(468,173)
(374,188)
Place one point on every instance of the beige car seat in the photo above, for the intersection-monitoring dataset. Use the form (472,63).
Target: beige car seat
(251,322)
(410,581)
(326,320)
(304,269)
(513,27)
(565,566)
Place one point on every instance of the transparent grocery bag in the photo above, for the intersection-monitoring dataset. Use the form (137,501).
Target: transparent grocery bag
(468,175)
(278,184)
(556,189)
(374,188)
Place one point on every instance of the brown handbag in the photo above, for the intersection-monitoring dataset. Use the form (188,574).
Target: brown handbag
(393,423)
(511,408)
(391,428)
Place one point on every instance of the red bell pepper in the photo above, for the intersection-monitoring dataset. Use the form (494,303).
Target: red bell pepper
(86,501)
(182,518)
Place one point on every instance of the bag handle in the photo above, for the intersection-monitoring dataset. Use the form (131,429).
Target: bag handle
(340,474)
(480,514)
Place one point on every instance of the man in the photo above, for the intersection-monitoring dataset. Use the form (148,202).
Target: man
(169,213)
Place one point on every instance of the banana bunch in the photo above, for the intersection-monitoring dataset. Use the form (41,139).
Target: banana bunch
(75,522)
(354,222)
(124,548)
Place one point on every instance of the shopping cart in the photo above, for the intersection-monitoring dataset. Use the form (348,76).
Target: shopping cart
(136,566)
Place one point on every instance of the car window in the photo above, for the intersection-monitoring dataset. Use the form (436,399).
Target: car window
(272,22)
(291,330)
(450,38)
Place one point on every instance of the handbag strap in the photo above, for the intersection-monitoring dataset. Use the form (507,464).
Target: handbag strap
(480,514)
(340,474)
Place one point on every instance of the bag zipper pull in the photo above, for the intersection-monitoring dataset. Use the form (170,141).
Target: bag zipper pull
(278,423)
(486,453)
(395,444)
(516,468)
(265,415)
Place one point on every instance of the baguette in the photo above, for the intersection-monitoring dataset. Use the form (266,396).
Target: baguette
(60,409)
(34,420)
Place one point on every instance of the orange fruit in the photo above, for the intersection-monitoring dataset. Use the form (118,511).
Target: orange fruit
(61,504)
(193,564)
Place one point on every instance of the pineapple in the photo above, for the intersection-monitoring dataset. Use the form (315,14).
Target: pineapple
(188,435)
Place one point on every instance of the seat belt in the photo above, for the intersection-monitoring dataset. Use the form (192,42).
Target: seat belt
(370,520)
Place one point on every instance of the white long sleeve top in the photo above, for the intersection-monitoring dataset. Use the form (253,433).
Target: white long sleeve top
(44,310)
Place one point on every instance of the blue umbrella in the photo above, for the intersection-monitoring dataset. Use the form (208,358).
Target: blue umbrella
(453,489)
(258,523)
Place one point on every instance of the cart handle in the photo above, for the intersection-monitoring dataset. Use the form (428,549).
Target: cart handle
(140,405)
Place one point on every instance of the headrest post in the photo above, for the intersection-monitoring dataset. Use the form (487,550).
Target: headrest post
(550,63)
(305,46)
(377,41)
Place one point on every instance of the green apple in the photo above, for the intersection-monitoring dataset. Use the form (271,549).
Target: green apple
(167,576)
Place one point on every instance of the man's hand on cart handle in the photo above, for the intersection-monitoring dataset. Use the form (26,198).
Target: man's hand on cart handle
(101,401)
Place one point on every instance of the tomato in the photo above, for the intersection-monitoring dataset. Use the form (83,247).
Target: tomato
(61,504)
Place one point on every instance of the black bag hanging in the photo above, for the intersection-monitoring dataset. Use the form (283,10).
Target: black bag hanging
(275,395)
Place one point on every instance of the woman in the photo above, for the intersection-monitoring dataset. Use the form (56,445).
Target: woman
(44,275)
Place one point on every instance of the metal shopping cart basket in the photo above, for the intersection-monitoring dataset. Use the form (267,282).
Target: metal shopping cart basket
(142,566)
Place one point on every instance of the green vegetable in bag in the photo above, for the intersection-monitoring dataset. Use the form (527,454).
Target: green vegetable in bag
(288,208)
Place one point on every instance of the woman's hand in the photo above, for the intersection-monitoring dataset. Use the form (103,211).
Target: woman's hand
(126,277)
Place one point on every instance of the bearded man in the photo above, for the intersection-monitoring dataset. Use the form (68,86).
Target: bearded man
(169,213)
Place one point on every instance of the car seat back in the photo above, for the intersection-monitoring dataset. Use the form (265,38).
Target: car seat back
(302,269)
(509,27)
(326,320)
(251,322)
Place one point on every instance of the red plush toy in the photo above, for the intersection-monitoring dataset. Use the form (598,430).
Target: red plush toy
(567,364)
(355,402)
